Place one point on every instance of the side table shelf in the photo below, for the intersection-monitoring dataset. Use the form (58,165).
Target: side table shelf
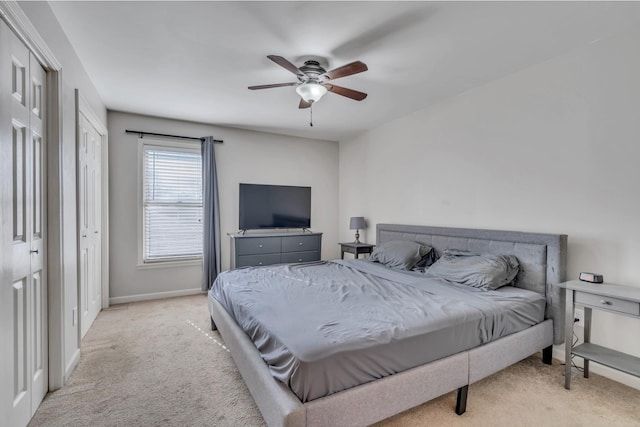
(617,299)
(605,356)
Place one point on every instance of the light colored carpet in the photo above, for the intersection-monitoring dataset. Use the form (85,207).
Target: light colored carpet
(157,363)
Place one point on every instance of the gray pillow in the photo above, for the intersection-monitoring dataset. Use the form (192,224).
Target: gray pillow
(486,271)
(400,254)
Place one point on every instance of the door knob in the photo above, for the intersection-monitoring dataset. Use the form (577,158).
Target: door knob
(95,232)
(33,251)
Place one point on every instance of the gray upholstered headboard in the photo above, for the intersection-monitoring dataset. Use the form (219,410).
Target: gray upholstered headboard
(542,257)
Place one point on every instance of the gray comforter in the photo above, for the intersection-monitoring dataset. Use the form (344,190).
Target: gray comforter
(327,326)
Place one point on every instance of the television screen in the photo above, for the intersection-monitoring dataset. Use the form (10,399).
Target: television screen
(274,206)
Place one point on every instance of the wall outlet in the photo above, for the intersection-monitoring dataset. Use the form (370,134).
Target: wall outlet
(579,315)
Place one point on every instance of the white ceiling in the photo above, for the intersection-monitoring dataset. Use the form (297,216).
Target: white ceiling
(194,60)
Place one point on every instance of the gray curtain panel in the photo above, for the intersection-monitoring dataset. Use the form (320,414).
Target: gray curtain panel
(211,214)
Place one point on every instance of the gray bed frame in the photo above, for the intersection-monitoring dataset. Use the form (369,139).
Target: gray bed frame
(542,264)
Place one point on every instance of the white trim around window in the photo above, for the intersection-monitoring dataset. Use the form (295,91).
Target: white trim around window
(183,200)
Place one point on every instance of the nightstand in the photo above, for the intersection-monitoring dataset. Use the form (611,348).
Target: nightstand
(355,249)
(617,299)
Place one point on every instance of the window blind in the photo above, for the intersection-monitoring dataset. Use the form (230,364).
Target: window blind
(172,203)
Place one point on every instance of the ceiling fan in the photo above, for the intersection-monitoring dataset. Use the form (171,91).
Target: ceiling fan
(313,80)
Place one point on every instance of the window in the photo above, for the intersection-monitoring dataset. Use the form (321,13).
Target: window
(171,202)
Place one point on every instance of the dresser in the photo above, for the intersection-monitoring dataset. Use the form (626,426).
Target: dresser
(250,250)
(616,299)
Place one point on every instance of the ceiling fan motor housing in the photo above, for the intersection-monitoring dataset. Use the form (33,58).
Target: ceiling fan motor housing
(312,70)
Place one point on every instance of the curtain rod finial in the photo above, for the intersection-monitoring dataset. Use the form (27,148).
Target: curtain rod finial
(211,138)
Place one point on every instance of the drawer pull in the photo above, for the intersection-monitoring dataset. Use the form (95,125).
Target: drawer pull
(605,302)
(300,244)
(259,246)
(260,263)
(299,259)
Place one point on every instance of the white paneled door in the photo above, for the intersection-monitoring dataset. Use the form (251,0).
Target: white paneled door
(90,224)
(23,296)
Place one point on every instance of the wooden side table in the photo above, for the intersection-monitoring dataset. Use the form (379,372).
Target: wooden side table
(355,249)
(617,299)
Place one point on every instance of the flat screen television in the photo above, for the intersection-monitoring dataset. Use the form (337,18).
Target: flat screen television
(274,206)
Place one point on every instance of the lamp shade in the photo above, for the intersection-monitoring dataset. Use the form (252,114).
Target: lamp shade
(357,223)
(311,92)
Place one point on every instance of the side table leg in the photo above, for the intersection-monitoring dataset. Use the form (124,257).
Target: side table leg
(568,338)
(341,254)
(587,337)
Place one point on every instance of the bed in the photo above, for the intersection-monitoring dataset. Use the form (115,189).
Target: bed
(542,260)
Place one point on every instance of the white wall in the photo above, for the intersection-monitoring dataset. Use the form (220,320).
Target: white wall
(245,156)
(73,76)
(553,148)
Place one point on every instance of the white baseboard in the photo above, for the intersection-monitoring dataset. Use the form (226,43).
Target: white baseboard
(71,365)
(612,374)
(154,295)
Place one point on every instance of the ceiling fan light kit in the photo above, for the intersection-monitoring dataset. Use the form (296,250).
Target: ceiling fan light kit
(312,80)
(311,92)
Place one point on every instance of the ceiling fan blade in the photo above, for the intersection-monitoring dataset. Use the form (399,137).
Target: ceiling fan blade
(273,85)
(349,93)
(285,64)
(346,70)
(304,104)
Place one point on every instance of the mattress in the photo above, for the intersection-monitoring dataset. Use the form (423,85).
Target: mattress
(328,326)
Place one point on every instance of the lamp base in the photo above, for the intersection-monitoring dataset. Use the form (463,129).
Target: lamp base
(357,237)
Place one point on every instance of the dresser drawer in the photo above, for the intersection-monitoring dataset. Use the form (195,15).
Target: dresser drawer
(607,303)
(258,245)
(306,256)
(300,243)
(258,260)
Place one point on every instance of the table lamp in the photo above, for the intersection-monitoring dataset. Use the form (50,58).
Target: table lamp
(357,223)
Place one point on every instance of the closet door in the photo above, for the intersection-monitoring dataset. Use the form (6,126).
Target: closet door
(23,298)
(90,227)
(37,209)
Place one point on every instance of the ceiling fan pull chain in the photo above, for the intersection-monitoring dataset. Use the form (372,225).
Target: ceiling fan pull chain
(311,112)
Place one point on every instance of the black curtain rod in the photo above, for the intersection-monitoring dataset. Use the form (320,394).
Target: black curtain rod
(142,134)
